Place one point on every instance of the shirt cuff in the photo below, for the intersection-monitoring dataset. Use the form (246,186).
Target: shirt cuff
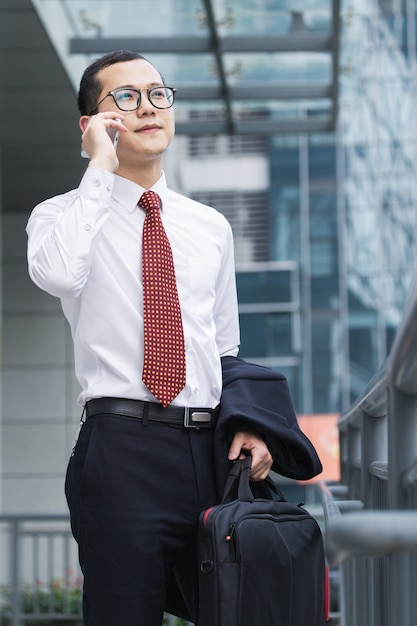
(96,183)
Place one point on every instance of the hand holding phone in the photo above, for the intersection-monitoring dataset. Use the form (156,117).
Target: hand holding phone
(113,133)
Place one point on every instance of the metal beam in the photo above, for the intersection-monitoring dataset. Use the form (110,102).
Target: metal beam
(255,91)
(297,42)
(215,46)
(194,128)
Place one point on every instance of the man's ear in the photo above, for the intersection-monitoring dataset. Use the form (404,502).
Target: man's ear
(83,122)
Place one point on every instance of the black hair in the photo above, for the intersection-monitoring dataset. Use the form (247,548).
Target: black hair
(90,86)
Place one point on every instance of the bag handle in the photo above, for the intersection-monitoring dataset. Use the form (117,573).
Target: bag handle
(268,490)
(239,474)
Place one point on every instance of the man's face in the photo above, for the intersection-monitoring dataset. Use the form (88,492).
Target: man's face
(151,130)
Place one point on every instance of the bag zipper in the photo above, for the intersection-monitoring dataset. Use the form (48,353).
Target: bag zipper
(230,538)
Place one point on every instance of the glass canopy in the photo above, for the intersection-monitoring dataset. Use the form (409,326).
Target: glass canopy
(241,66)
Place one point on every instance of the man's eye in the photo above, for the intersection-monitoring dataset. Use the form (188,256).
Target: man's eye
(125,96)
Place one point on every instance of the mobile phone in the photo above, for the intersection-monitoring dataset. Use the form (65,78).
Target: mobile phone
(113,133)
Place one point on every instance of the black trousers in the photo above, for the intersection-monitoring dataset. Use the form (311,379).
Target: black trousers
(135,492)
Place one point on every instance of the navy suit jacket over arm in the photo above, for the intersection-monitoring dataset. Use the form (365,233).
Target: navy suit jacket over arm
(258,397)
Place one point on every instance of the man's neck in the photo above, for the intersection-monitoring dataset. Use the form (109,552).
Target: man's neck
(144,175)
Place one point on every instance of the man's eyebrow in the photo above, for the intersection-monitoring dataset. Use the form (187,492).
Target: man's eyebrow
(149,86)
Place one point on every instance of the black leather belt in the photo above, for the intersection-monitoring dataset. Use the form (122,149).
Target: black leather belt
(153,411)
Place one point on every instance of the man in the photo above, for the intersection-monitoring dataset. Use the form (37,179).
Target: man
(140,472)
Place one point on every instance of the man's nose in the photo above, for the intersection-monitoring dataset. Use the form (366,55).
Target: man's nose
(145,107)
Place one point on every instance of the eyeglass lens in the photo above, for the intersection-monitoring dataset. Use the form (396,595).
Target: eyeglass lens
(129,99)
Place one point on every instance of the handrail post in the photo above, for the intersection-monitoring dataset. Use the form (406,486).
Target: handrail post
(401,592)
(402,437)
(15,571)
(374,449)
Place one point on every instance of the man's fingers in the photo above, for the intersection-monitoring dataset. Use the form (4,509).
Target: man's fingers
(235,449)
(255,445)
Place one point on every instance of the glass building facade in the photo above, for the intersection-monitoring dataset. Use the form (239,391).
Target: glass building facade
(342,207)
(377,162)
(324,218)
(325,241)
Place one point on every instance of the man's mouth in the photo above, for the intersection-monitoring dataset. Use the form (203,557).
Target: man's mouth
(148,128)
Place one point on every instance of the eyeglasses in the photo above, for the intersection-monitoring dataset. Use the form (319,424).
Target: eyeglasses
(127,99)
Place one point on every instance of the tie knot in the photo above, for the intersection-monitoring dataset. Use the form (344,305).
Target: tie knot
(150,200)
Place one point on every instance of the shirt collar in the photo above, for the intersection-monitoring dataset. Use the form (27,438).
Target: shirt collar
(128,193)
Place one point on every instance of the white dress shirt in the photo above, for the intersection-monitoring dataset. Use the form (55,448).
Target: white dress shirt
(85,248)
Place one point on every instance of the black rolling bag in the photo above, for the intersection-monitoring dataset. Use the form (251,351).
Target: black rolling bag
(261,559)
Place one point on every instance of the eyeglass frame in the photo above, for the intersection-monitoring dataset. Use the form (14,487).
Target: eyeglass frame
(139,92)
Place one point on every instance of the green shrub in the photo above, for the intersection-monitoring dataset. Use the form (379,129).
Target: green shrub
(40,605)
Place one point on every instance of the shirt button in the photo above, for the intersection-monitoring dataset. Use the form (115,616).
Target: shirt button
(87,227)
(108,187)
(97,183)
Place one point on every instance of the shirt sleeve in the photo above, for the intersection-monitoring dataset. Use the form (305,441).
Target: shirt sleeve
(226,308)
(63,234)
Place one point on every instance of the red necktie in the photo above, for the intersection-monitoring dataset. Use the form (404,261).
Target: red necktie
(164,354)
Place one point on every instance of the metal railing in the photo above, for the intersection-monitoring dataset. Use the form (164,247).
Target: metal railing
(371,516)
(39,570)
(40,579)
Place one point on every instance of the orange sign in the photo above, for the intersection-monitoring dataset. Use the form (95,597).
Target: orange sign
(323,433)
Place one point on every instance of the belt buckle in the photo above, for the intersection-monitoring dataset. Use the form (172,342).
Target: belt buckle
(203,418)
